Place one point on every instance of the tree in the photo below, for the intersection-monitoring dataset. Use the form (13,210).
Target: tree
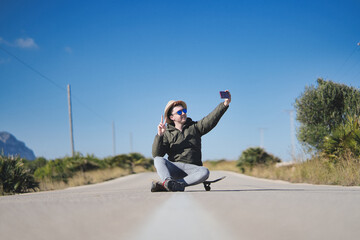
(322,109)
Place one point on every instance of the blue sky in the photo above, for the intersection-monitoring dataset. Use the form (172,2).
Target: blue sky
(125,60)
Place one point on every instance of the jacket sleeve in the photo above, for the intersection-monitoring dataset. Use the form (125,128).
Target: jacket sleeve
(160,146)
(206,124)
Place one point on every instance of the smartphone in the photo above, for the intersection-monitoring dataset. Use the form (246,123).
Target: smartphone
(224,94)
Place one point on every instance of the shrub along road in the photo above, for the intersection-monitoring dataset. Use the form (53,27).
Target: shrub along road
(239,207)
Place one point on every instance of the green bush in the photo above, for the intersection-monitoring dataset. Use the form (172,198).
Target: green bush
(130,161)
(255,156)
(33,165)
(14,178)
(122,161)
(57,170)
(81,163)
(139,160)
(323,109)
(147,163)
(64,168)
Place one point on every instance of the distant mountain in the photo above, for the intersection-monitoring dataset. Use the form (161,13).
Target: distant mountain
(9,145)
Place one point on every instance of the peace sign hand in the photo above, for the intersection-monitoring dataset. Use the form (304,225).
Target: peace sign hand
(162,126)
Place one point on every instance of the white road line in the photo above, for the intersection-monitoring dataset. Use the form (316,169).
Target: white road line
(181,217)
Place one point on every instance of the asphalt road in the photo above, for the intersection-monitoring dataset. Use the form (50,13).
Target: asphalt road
(238,207)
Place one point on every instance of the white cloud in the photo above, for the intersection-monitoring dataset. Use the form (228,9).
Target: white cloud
(68,50)
(20,43)
(25,43)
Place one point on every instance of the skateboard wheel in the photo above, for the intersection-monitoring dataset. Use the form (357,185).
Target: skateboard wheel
(207,188)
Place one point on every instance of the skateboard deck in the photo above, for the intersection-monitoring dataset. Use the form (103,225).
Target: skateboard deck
(209,182)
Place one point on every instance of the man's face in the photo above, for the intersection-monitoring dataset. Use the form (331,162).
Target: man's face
(175,115)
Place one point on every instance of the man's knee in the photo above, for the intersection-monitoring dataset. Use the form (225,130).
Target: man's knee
(205,173)
(158,161)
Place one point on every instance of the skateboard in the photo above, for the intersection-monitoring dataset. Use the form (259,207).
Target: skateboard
(207,183)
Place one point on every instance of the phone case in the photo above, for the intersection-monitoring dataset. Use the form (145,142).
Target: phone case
(224,94)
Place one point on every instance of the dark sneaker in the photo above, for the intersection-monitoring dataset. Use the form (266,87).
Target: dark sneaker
(157,187)
(173,186)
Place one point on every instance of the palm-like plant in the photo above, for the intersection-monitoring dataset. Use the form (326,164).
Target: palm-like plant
(14,178)
(346,138)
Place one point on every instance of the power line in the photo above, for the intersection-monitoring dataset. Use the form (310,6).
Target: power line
(33,69)
(52,82)
(356,48)
(89,109)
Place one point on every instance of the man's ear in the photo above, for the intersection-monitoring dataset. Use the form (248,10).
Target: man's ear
(172,117)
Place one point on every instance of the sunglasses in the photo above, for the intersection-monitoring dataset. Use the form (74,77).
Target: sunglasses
(182,111)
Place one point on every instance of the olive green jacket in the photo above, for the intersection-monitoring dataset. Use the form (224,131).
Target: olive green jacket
(185,146)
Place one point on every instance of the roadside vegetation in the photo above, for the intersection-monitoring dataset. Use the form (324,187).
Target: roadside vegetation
(329,132)
(317,170)
(19,175)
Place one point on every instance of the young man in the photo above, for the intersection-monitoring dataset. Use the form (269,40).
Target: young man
(180,138)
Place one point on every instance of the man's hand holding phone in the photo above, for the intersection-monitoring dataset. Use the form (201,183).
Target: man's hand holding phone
(227,96)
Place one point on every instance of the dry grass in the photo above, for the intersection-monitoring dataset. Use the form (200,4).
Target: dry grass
(319,170)
(90,177)
(222,165)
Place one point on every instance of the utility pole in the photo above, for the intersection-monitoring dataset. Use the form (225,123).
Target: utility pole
(262,137)
(71,121)
(131,142)
(292,131)
(114,145)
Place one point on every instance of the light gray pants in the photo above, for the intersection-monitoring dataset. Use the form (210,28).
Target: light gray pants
(189,174)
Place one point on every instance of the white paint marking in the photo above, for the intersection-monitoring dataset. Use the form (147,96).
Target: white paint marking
(181,217)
